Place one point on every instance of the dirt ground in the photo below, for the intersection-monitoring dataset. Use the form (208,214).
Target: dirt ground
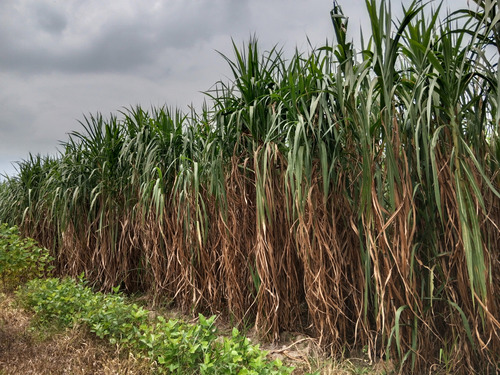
(25,351)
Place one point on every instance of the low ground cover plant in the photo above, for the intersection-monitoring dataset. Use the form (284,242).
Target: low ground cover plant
(21,258)
(174,346)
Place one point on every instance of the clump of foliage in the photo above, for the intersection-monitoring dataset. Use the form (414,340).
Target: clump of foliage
(174,346)
(21,259)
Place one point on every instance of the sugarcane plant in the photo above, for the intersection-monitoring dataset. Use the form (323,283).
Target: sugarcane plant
(353,194)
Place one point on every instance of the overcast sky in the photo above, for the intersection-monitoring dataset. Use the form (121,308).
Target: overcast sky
(63,59)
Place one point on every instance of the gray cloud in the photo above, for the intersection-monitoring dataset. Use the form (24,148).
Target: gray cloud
(49,18)
(39,36)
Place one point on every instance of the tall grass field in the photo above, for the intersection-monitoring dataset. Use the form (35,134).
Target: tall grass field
(351,193)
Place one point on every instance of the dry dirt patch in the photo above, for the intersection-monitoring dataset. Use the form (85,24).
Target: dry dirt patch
(75,351)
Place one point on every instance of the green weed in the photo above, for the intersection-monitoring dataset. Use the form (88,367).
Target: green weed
(174,346)
(21,259)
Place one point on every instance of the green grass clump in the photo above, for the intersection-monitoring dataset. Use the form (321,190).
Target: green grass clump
(174,346)
(21,259)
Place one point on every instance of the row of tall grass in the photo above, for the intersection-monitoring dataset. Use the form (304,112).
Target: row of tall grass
(352,194)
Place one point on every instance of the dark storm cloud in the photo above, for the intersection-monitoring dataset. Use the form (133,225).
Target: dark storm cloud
(42,36)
